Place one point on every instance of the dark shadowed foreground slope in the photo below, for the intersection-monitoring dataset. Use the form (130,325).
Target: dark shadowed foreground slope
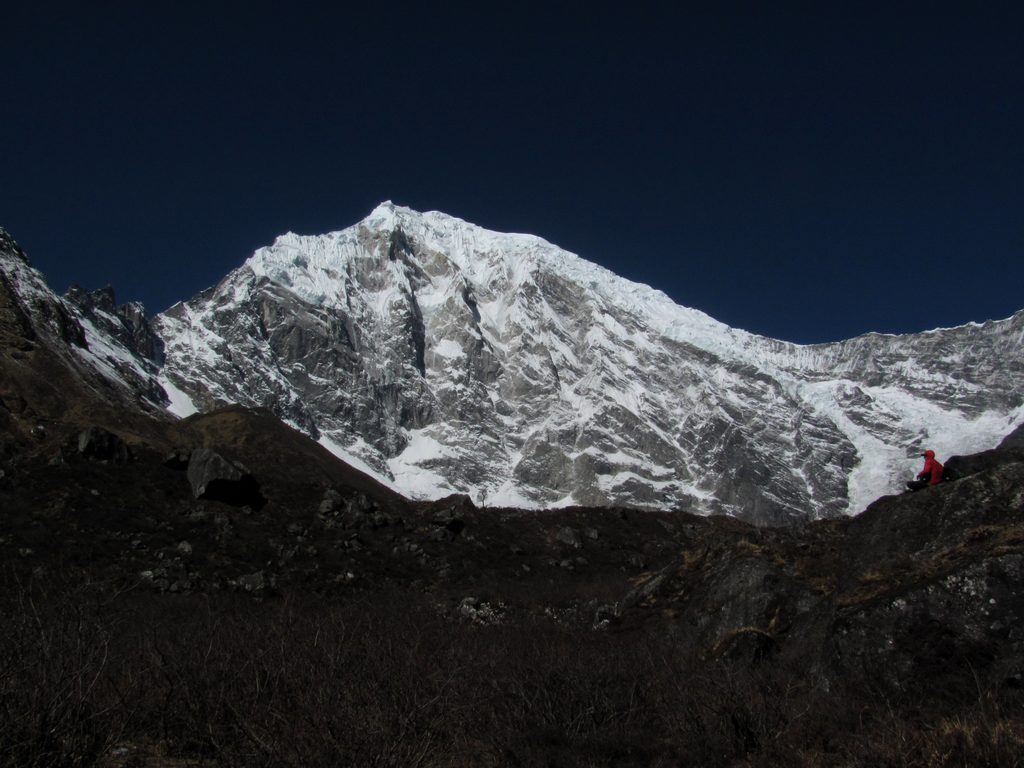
(327,622)
(222,591)
(923,589)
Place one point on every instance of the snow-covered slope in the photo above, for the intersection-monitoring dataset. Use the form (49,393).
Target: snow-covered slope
(110,348)
(449,358)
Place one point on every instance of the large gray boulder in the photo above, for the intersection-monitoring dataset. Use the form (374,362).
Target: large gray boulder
(215,478)
(100,445)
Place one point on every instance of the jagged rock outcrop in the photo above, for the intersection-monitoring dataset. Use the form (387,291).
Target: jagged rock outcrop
(125,322)
(14,321)
(101,350)
(28,307)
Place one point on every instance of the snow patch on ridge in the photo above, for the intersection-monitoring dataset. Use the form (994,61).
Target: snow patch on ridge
(352,459)
(415,479)
(181,405)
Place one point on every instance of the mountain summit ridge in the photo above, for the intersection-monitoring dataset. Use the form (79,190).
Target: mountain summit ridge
(442,358)
(449,358)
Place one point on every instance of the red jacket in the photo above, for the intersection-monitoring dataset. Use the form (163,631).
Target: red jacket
(932,469)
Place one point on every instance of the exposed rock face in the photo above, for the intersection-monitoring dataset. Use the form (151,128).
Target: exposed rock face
(14,321)
(110,349)
(125,322)
(452,359)
(28,307)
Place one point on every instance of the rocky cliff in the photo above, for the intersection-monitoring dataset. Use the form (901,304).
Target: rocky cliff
(70,358)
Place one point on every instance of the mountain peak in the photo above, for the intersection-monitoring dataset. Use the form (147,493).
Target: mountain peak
(387,214)
(450,358)
(10,246)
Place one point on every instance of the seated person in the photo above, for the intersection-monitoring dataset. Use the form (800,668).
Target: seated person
(930,475)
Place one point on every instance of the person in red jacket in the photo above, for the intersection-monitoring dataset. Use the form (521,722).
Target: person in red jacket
(930,475)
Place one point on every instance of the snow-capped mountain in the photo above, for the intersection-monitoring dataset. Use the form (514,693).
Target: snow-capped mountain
(444,357)
(109,348)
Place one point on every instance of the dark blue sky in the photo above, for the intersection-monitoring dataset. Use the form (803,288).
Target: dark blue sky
(804,174)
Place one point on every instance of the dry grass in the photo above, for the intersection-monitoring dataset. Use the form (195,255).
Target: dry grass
(391,678)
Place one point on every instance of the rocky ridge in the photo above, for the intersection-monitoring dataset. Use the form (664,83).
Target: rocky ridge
(109,348)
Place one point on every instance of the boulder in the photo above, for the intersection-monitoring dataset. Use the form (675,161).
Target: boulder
(98,444)
(449,521)
(456,505)
(251,582)
(449,515)
(214,478)
(355,510)
(331,502)
(568,537)
(178,458)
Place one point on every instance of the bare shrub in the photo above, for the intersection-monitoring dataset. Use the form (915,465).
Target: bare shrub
(55,656)
(90,677)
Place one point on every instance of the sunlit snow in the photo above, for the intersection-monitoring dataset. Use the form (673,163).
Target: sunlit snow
(607,366)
